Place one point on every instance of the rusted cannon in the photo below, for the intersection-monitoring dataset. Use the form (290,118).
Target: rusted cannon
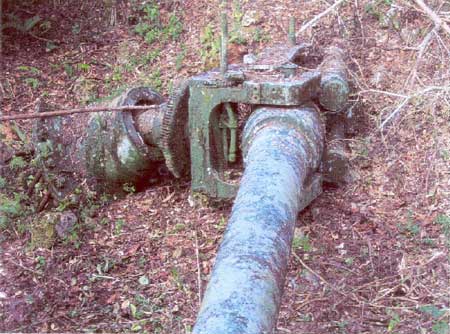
(197,131)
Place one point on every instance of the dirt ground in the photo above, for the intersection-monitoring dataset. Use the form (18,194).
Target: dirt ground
(369,257)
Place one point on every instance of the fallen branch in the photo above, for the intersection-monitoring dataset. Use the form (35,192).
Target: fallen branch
(422,48)
(74,111)
(316,18)
(36,179)
(408,98)
(433,16)
(44,201)
(199,272)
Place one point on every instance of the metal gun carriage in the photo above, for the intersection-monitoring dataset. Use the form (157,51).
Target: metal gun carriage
(202,131)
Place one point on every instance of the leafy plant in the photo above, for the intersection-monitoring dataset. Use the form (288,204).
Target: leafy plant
(444,221)
(236,35)
(41,261)
(10,208)
(29,69)
(2,182)
(117,74)
(177,278)
(432,310)
(32,82)
(441,327)
(70,71)
(151,29)
(17,163)
(174,27)
(50,46)
(151,56)
(179,227)
(26,25)
(84,67)
(76,29)
(156,80)
(221,224)
(118,226)
(393,322)
(210,50)
(129,188)
(384,13)
(260,36)
(143,280)
(180,58)
(302,243)
(410,228)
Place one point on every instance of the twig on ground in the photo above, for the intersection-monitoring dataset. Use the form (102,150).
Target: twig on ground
(41,38)
(24,268)
(408,98)
(44,201)
(433,16)
(381,92)
(442,43)
(75,111)
(317,275)
(316,18)
(360,22)
(395,112)
(199,273)
(422,48)
(36,179)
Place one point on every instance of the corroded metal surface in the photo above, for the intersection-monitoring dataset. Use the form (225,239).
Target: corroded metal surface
(148,124)
(245,289)
(334,88)
(335,165)
(113,151)
(198,130)
(174,136)
(209,93)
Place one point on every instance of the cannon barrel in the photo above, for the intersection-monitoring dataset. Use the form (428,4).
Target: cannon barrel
(282,149)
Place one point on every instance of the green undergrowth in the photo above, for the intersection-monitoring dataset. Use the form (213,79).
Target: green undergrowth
(152,28)
(26,209)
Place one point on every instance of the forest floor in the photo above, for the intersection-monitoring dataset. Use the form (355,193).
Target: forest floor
(368,257)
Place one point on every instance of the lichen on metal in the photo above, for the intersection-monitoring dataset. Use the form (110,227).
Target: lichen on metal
(174,137)
(198,131)
(113,150)
(334,88)
(246,285)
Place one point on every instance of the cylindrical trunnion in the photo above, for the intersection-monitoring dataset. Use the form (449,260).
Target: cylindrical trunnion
(334,87)
(114,149)
(282,147)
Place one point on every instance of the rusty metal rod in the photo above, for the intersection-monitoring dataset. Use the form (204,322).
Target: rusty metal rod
(224,44)
(74,111)
(282,149)
(291,32)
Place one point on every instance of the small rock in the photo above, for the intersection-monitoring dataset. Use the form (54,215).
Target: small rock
(410,35)
(5,153)
(65,224)
(177,253)
(126,49)
(249,59)
(311,278)
(85,89)
(48,226)
(380,77)
(251,17)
